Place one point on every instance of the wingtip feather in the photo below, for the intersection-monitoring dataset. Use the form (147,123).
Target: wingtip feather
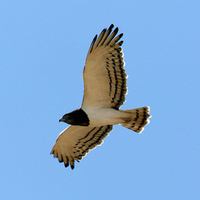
(111,26)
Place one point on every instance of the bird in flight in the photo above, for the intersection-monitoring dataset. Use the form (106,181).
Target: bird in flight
(104,93)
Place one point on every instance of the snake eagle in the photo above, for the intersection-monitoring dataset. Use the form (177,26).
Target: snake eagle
(104,92)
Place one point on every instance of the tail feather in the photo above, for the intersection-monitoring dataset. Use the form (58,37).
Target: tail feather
(136,119)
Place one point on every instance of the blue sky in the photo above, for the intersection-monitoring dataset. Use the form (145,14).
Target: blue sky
(43,48)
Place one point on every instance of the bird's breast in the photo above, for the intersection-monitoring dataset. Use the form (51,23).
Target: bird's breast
(102,116)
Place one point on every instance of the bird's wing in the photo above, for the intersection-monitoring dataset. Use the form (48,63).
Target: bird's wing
(76,141)
(104,75)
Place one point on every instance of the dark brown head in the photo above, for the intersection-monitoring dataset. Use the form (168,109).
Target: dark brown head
(76,117)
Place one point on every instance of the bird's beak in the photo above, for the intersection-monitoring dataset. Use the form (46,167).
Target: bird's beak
(64,118)
(61,119)
(67,119)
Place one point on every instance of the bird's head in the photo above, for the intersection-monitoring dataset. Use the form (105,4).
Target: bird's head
(76,117)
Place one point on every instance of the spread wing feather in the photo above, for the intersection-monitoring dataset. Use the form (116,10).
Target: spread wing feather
(76,141)
(104,75)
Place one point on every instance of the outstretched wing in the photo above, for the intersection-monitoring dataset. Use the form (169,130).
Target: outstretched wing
(104,75)
(76,141)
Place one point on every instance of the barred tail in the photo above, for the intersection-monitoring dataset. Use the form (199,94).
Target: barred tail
(136,119)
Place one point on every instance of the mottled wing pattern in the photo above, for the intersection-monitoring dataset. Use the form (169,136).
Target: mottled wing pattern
(104,75)
(76,141)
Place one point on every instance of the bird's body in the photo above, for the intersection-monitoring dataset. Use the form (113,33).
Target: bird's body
(111,116)
(104,93)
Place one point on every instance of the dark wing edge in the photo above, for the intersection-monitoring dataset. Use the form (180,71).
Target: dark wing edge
(104,37)
(89,141)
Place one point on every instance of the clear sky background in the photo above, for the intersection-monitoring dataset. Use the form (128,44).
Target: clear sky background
(43,46)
